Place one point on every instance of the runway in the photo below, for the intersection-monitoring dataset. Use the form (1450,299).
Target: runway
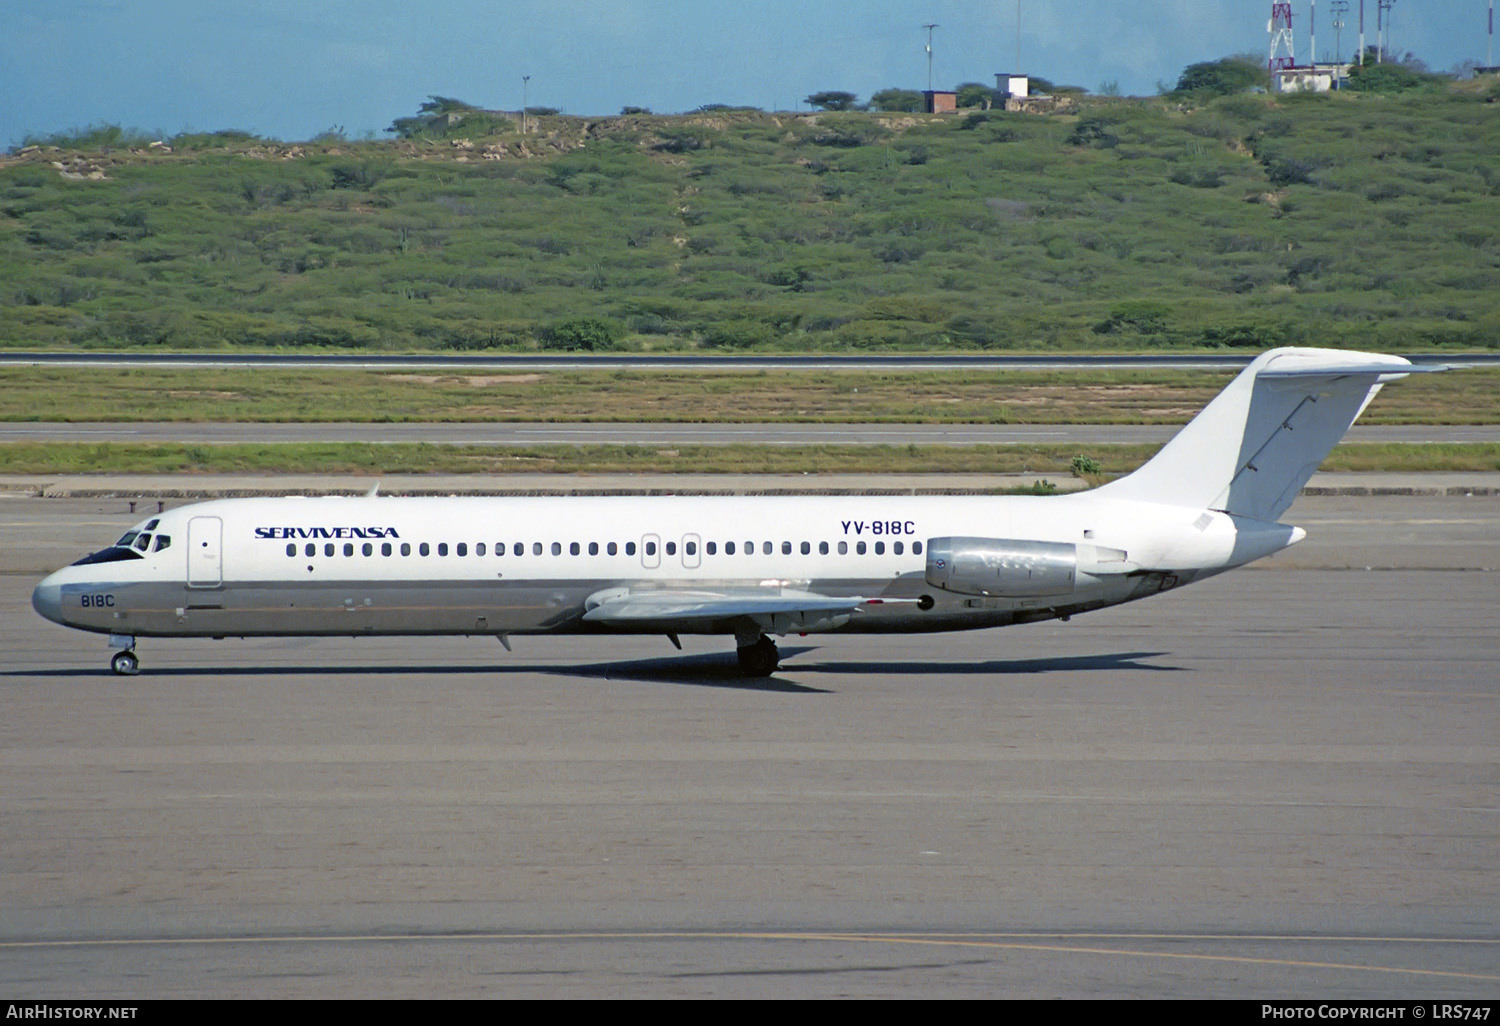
(1278,782)
(500,433)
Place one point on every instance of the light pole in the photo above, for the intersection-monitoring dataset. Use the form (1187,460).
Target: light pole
(525,89)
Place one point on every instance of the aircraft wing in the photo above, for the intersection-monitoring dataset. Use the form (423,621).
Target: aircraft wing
(705,610)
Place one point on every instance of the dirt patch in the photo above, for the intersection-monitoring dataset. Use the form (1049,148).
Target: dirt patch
(472,380)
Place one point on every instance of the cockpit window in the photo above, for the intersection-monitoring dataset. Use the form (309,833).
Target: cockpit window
(143,543)
(150,525)
(113,554)
(162,541)
(127,538)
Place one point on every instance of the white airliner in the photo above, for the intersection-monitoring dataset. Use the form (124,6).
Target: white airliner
(746,567)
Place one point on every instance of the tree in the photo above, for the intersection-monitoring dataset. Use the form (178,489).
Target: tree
(974,94)
(1223,77)
(832,99)
(1389,77)
(433,117)
(908,100)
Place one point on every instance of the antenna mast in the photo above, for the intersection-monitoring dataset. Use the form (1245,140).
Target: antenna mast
(1282,54)
(929,29)
(1361,32)
(1018,36)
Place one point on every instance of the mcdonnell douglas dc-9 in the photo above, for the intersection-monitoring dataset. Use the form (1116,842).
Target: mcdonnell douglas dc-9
(1208,501)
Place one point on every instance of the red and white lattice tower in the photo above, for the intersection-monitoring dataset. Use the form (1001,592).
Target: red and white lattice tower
(1280,28)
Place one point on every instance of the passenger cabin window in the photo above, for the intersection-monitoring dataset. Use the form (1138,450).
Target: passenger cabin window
(424,549)
(536,548)
(557,548)
(916,548)
(822,548)
(729,548)
(291,550)
(348,548)
(710,548)
(367,549)
(573,549)
(859,548)
(671,548)
(442,548)
(311,549)
(462,549)
(593,548)
(689,548)
(630,548)
(843,548)
(519,550)
(406,548)
(385,548)
(612,548)
(479,549)
(328,548)
(765,548)
(806,549)
(880,548)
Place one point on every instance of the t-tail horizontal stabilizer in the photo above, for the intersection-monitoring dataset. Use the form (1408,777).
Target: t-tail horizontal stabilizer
(1250,451)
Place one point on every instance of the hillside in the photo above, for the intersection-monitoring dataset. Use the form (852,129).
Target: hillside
(1350,220)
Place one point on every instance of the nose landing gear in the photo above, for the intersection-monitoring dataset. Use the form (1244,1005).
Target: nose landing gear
(124,663)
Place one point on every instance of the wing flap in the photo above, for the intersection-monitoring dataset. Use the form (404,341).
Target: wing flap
(687,610)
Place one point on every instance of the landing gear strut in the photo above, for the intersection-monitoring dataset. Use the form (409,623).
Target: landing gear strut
(125,664)
(760,658)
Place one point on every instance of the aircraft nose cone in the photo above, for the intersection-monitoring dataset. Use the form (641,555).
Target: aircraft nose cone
(47,600)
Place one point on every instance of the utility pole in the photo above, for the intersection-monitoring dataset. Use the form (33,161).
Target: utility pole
(929,29)
(525,89)
(1382,27)
(1340,8)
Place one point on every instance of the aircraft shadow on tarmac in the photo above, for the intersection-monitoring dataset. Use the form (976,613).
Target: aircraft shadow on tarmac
(715,669)
(1116,661)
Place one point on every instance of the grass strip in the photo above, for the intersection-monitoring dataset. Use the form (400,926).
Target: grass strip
(66,394)
(418,458)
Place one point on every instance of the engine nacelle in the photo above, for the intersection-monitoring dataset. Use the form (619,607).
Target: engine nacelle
(1008,567)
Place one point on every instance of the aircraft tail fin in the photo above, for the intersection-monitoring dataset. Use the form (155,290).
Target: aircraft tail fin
(1251,449)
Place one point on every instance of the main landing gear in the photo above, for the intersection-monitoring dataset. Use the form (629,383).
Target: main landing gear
(760,658)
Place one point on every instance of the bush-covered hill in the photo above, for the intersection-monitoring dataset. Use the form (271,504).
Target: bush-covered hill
(1350,220)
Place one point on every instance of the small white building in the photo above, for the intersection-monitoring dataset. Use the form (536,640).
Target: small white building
(1319,78)
(1012,86)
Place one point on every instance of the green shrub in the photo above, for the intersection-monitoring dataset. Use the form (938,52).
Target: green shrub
(591,334)
(1141,316)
